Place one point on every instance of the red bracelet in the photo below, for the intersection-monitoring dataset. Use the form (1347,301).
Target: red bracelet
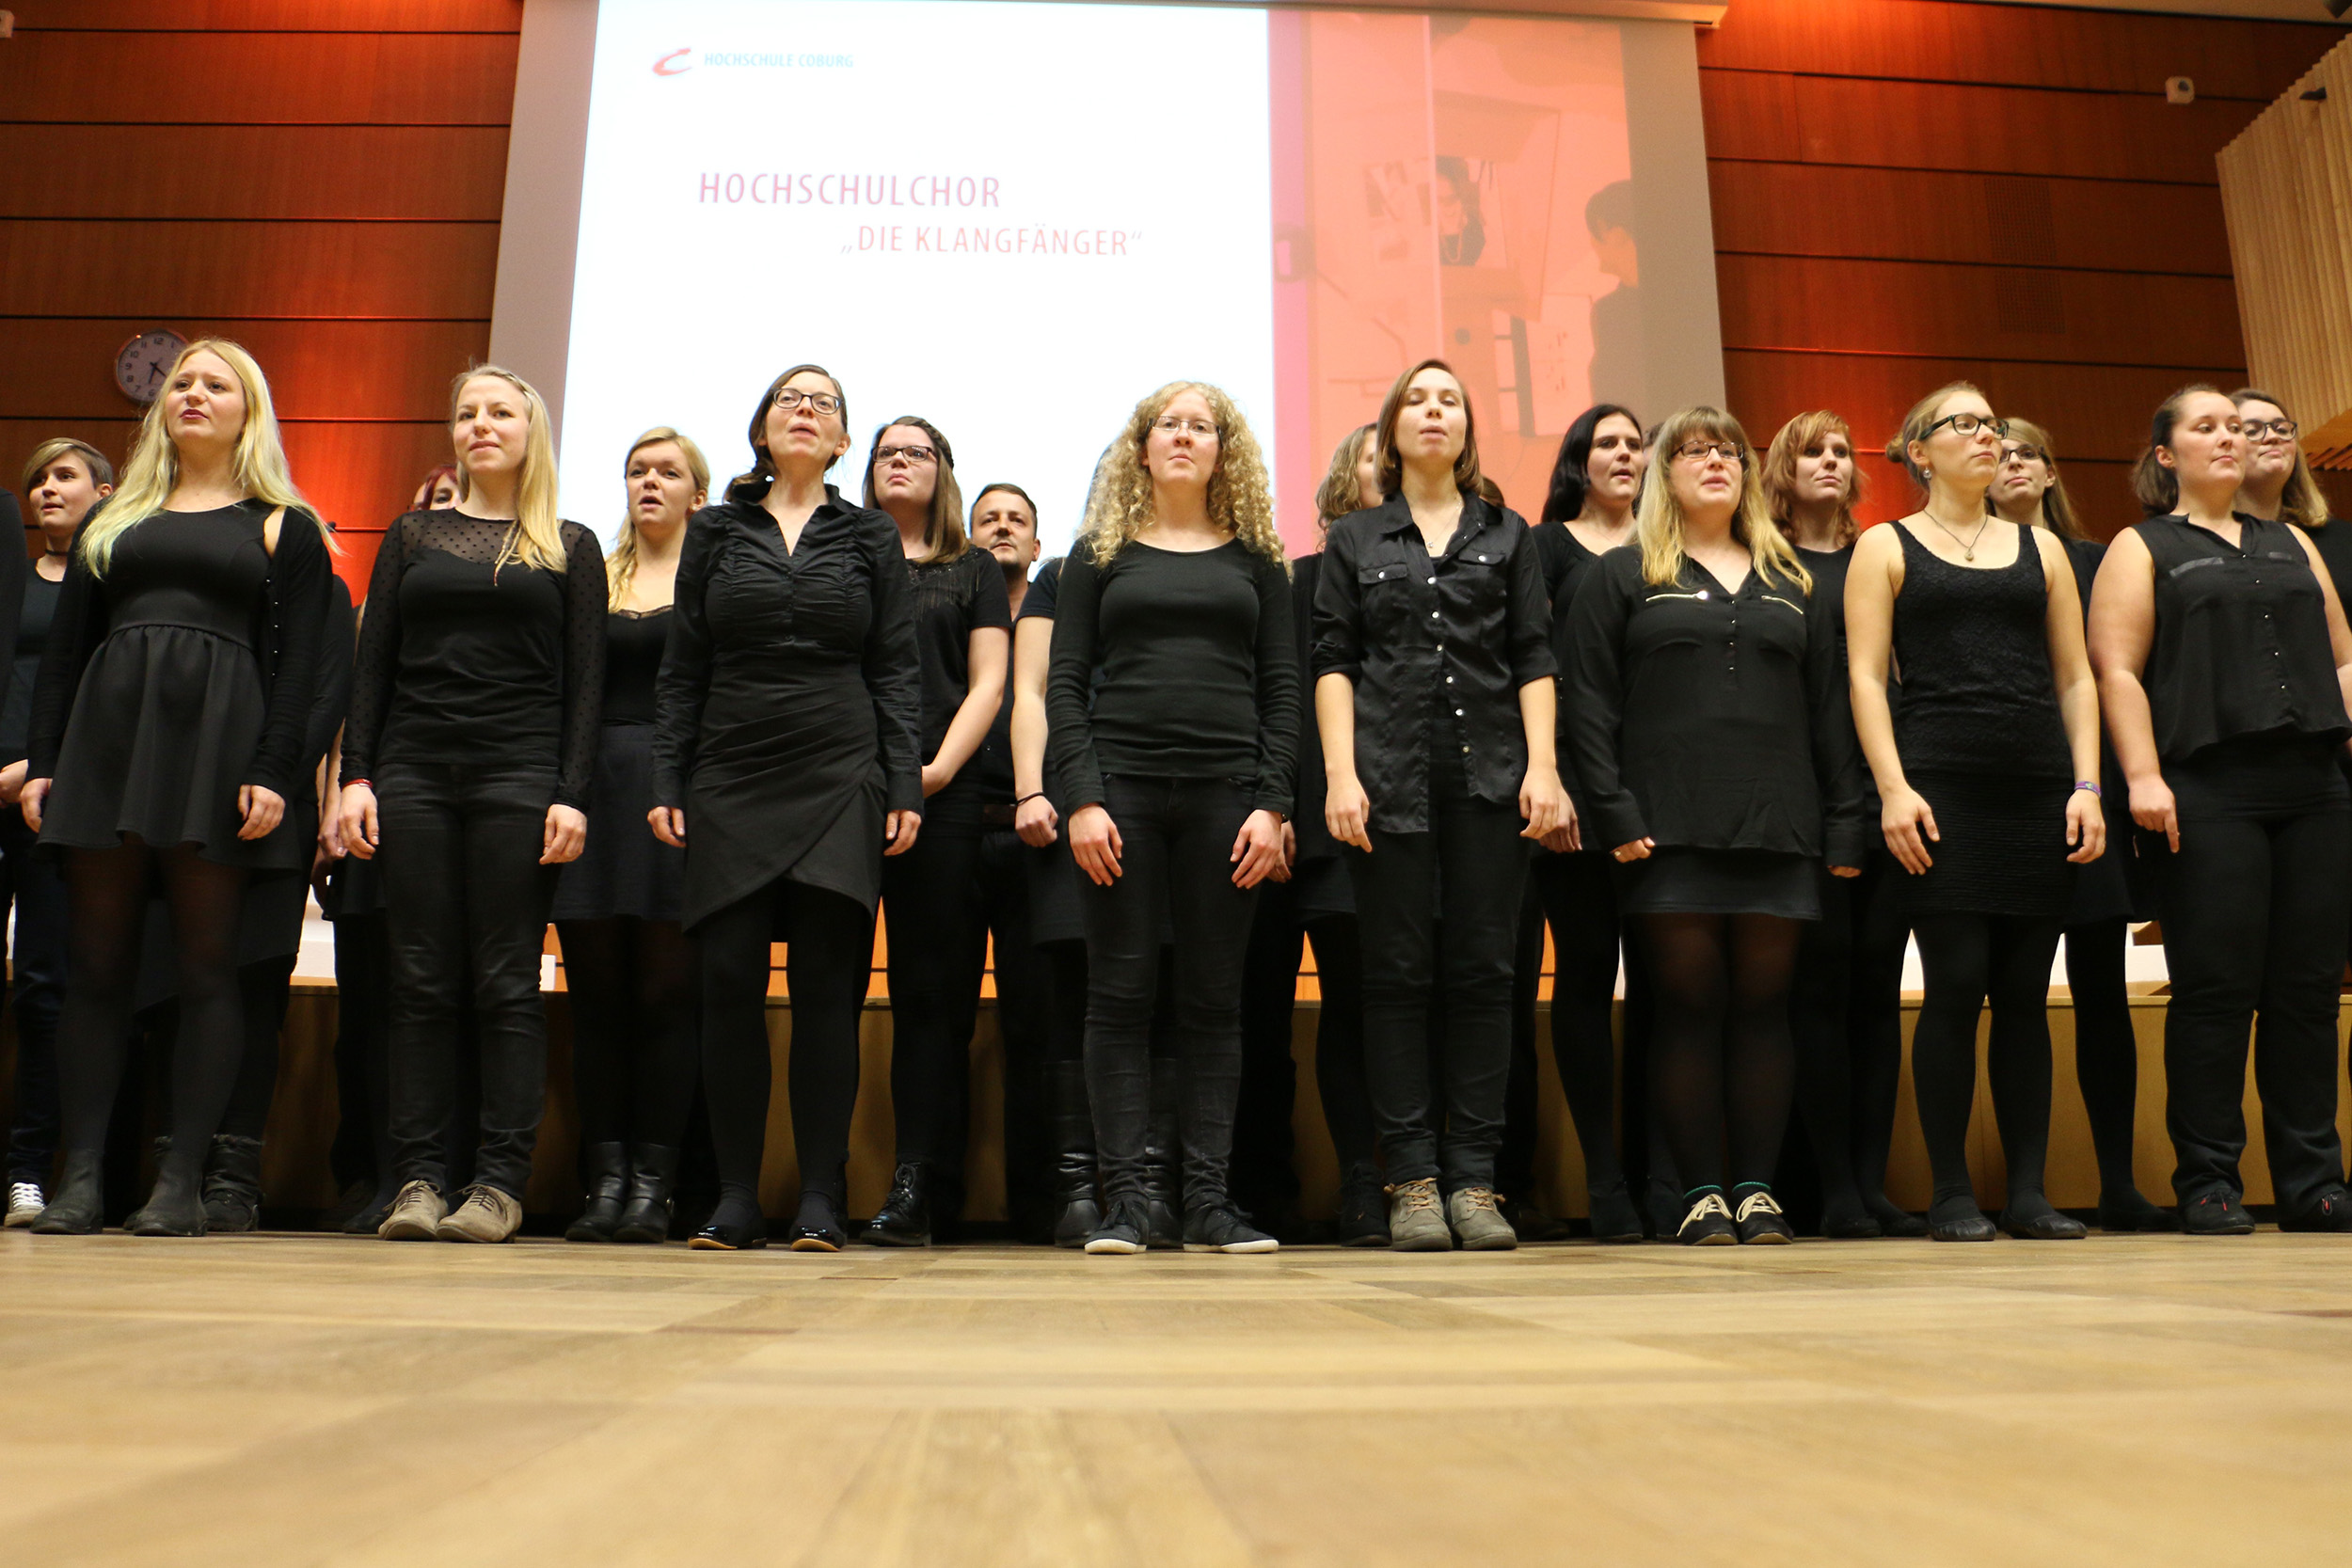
(349,784)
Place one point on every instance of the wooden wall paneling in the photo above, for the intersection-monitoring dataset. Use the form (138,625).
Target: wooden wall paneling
(342,369)
(259,79)
(132,171)
(251,270)
(1936,216)
(301,16)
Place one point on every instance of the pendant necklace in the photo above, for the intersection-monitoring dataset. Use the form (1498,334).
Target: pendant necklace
(1967,545)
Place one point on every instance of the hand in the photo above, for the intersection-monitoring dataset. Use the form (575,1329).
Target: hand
(1095,845)
(31,799)
(1845,871)
(1543,801)
(935,779)
(2086,827)
(669,825)
(1035,820)
(1290,853)
(1345,807)
(12,782)
(261,807)
(1257,848)
(2153,808)
(1637,850)
(359,803)
(322,868)
(331,831)
(1909,824)
(1569,837)
(565,836)
(899,831)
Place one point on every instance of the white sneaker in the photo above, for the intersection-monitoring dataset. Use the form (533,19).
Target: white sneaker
(26,1202)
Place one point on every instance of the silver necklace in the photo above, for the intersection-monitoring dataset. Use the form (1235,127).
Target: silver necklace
(1967,545)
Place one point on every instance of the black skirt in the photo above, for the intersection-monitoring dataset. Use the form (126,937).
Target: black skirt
(624,870)
(1682,881)
(2001,850)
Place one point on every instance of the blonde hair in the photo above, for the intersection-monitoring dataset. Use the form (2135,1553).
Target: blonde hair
(537,538)
(1658,522)
(2303,503)
(1802,434)
(1919,420)
(148,478)
(620,567)
(1342,488)
(1240,495)
(2058,507)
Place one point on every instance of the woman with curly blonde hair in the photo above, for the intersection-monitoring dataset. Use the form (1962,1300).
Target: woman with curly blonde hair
(1173,706)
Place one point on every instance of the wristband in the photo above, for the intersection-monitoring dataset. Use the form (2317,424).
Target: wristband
(1019,801)
(353,783)
(2086,784)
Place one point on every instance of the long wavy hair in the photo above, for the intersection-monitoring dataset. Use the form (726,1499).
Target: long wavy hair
(2058,507)
(259,465)
(1343,487)
(620,567)
(1801,437)
(1658,521)
(1466,472)
(537,538)
(1241,498)
(943,530)
(2304,503)
(1571,476)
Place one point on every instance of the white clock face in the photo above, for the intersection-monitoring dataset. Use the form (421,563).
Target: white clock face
(143,363)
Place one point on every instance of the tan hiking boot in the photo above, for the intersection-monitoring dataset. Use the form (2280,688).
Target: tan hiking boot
(487,1215)
(1417,1219)
(414,1214)
(1479,1225)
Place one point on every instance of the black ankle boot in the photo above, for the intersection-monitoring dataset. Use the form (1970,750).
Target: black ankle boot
(1077,1214)
(1363,1207)
(1163,1158)
(1613,1216)
(175,1207)
(78,1207)
(645,1220)
(605,1169)
(905,1216)
(233,1185)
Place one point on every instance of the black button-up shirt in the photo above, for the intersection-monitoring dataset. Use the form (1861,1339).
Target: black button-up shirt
(1707,719)
(1438,651)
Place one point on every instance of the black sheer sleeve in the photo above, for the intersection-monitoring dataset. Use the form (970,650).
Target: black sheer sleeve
(1277,691)
(376,662)
(586,593)
(79,626)
(1070,683)
(684,683)
(1596,715)
(894,669)
(298,570)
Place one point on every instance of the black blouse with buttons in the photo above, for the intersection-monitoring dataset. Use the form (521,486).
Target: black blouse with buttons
(2241,647)
(1438,651)
(1709,720)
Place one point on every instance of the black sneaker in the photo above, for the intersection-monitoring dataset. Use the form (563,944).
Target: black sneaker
(1709,1224)
(1218,1228)
(1123,1228)
(1759,1220)
(2216,1214)
(2330,1210)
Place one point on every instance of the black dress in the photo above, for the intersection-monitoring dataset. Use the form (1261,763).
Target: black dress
(1980,735)
(790,706)
(624,870)
(183,673)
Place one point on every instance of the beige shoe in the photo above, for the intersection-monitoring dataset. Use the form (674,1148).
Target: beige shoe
(1417,1219)
(1479,1225)
(414,1214)
(487,1215)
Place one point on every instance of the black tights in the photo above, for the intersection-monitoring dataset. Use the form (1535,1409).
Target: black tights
(829,955)
(106,894)
(636,1011)
(1721,1064)
(1968,959)
(2106,1056)
(265,985)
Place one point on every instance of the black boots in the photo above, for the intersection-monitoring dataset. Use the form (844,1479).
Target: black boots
(175,1207)
(1363,1207)
(1163,1159)
(1071,1121)
(645,1219)
(233,1185)
(605,1169)
(905,1216)
(78,1206)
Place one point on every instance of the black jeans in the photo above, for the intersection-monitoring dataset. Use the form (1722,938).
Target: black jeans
(362,1149)
(1265,1180)
(933,915)
(31,883)
(465,894)
(2254,919)
(1024,993)
(1175,870)
(1468,872)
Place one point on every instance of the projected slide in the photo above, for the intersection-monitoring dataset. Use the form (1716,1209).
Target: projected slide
(1016,220)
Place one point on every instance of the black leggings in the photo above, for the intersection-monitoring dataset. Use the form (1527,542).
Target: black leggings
(1340,1082)
(265,986)
(829,953)
(107,895)
(1819,1011)
(636,1028)
(2106,1056)
(1580,902)
(1722,1062)
(1874,1016)
(1968,959)
(932,913)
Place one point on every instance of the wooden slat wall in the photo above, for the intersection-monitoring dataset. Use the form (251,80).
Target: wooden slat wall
(320,179)
(1907,191)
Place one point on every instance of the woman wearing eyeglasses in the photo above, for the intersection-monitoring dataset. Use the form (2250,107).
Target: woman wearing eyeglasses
(931,895)
(788,714)
(2226,665)
(1989,779)
(1178,761)
(1717,767)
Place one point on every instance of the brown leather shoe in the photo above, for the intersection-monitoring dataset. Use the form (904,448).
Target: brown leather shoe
(414,1214)
(487,1215)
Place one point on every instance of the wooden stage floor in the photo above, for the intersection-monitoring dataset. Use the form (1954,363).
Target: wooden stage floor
(298,1400)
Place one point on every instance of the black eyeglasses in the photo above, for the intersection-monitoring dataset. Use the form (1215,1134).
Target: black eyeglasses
(1700,451)
(2257,430)
(912,454)
(2022,453)
(1967,424)
(790,398)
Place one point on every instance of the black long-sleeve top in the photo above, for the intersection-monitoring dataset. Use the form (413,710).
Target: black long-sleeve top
(1429,643)
(284,620)
(1709,720)
(1565,560)
(1200,671)
(458,663)
(1313,833)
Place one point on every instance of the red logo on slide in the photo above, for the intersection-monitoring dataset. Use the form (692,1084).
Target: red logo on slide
(663,67)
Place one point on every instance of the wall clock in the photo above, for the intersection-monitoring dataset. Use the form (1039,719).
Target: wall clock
(141,364)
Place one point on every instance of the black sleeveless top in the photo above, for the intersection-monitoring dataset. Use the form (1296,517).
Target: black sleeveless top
(2241,645)
(1973,649)
(633,641)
